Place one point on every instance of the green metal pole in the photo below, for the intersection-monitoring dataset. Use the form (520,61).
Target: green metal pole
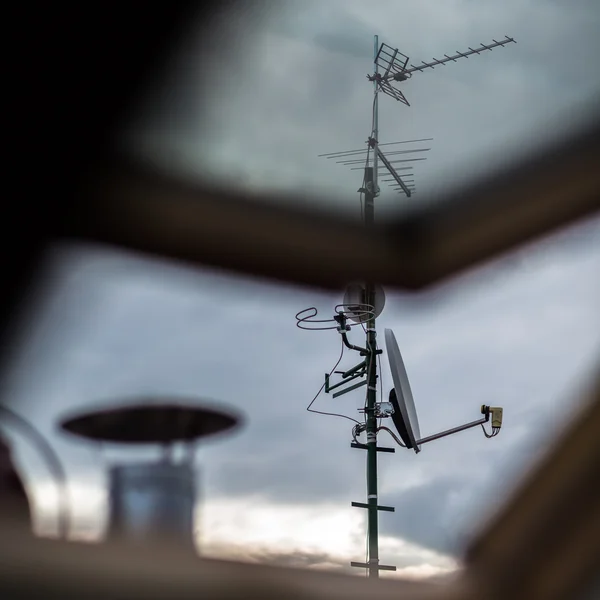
(373,524)
(373,535)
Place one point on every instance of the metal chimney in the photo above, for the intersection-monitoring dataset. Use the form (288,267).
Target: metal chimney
(151,502)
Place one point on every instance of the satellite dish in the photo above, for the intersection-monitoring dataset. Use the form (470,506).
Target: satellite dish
(356,296)
(398,419)
(405,414)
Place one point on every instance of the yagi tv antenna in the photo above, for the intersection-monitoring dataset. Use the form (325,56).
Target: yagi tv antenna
(393,67)
(402,408)
(400,178)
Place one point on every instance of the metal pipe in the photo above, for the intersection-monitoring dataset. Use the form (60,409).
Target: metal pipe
(375,116)
(442,434)
(353,370)
(54,465)
(153,502)
(352,346)
(371,426)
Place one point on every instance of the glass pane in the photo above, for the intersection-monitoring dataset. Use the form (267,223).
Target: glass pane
(277,86)
(520,334)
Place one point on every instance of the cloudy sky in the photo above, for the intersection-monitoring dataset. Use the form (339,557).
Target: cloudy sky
(519,333)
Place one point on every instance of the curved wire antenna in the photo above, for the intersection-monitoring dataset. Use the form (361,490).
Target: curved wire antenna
(54,466)
(306,319)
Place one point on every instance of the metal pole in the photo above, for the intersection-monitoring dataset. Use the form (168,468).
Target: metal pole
(370,409)
(372,514)
(375,115)
(442,434)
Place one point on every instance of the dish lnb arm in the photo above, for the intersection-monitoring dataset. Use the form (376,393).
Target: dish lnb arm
(487,411)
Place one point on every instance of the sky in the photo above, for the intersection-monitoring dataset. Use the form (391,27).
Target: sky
(521,332)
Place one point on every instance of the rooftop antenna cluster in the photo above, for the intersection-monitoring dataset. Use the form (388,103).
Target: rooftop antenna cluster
(364,302)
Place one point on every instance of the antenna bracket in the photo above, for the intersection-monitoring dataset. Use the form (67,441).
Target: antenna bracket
(360,446)
(355,374)
(341,320)
(384,410)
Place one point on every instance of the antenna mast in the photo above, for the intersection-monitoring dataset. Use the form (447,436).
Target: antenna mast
(364,302)
(371,420)
(375,134)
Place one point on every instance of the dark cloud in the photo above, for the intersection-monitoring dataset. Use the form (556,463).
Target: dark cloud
(287,470)
(344,42)
(426,514)
(326,25)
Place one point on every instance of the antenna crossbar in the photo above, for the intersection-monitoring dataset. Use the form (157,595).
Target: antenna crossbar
(395,153)
(398,169)
(362,151)
(435,62)
(365,447)
(392,162)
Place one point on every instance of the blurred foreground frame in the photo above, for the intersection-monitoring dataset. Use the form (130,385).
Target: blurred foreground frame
(545,543)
